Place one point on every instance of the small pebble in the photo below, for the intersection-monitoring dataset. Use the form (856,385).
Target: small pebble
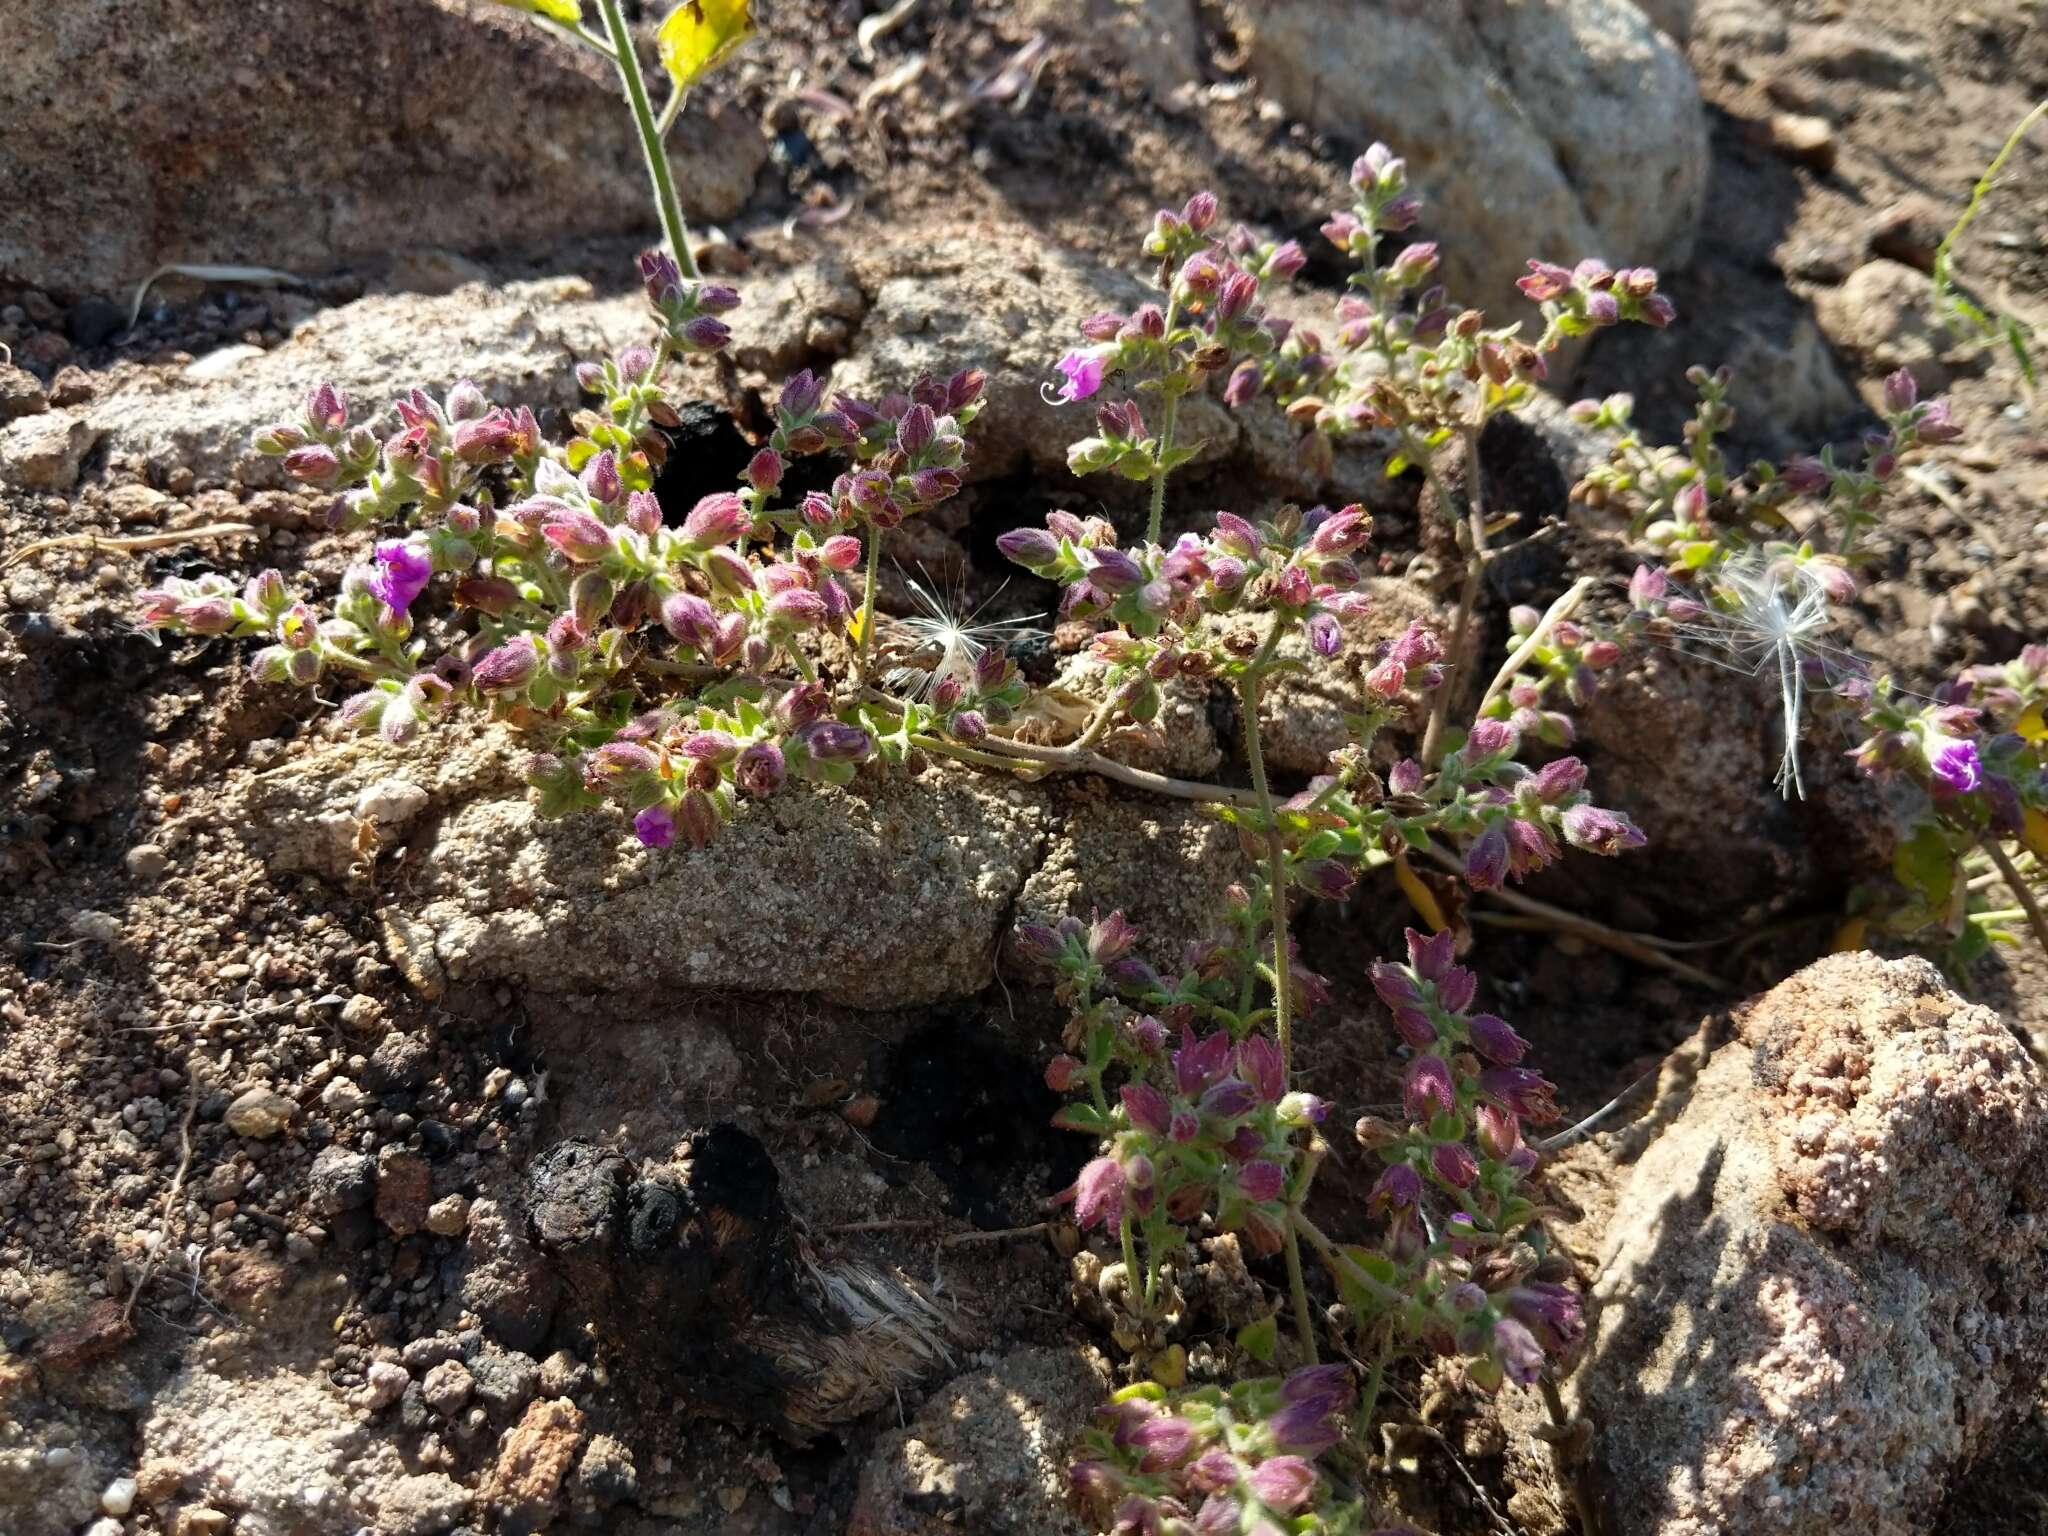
(119,1496)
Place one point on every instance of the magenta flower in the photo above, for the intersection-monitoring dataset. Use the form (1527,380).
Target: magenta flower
(1147,1107)
(403,571)
(1954,764)
(1428,1090)
(1598,831)
(1083,370)
(1283,1483)
(1099,1194)
(1258,1061)
(1262,1180)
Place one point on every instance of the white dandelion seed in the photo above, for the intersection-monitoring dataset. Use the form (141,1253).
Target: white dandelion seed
(1775,616)
(950,638)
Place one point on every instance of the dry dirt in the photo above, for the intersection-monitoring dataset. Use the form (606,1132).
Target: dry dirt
(154,971)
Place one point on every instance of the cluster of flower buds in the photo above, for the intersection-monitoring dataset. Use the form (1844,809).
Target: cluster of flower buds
(1301,567)
(1213,322)
(681,773)
(1936,744)
(1211,1460)
(1205,1127)
(1592,295)
(566,574)
(1509,815)
(1979,753)
(688,310)
(1698,515)
(1568,660)
(1456,1269)
(318,446)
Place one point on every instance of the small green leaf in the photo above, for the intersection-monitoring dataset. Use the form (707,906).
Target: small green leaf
(1081,1117)
(698,35)
(1260,1340)
(1926,866)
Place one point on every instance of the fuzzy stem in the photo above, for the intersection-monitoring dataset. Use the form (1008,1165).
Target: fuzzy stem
(1133,1286)
(1156,517)
(1474,541)
(1169,413)
(1297,1290)
(1337,1259)
(1276,855)
(867,602)
(2018,885)
(673,228)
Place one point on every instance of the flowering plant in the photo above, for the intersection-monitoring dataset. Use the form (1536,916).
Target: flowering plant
(1977,754)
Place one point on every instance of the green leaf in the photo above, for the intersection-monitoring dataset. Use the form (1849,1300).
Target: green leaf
(567,11)
(1926,866)
(1260,1340)
(1081,1117)
(699,34)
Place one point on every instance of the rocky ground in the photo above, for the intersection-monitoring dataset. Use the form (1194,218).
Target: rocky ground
(294,1029)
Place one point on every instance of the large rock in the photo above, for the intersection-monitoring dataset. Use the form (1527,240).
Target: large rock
(1824,1288)
(1559,130)
(301,135)
(988,1452)
(1688,747)
(888,893)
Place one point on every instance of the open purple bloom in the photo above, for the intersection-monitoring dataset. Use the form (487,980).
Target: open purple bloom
(403,571)
(655,827)
(1083,370)
(1954,764)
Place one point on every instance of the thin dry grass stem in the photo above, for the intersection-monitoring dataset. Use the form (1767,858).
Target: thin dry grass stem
(1646,948)
(1556,614)
(127,544)
(170,1203)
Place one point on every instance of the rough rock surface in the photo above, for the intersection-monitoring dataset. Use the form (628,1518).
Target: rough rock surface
(1883,315)
(947,306)
(519,342)
(890,892)
(283,1453)
(988,1452)
(159,132)
(1825,1285)
(1558,130)
(1712,805)
(1113,854)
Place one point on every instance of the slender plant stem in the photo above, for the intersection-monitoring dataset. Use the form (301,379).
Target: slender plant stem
(1562,1460)
(1276,856)
(671,210)
(1337,1259)
(1555,615)
(2020,890)
(1134,1286)
(1155,519)
(1297,1290)
(1169,414)
(867,602)
(1635,946)
(1474,543)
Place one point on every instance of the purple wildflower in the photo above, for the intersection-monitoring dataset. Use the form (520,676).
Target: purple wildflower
(403,571)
